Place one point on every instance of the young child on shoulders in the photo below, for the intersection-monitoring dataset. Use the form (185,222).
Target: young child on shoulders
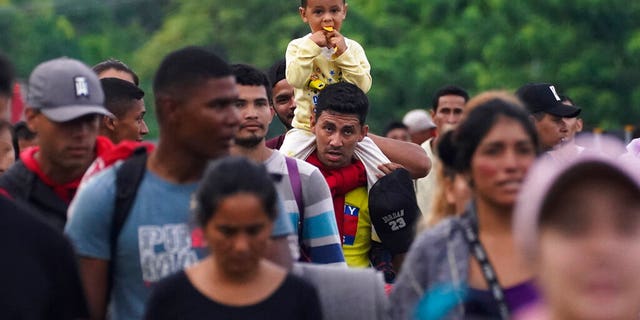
(316,60)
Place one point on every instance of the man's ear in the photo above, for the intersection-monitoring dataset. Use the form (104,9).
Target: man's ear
(31,118)
(365,131)
(109,123)
(272,110)
(168,107)
(313,121)
(579,125)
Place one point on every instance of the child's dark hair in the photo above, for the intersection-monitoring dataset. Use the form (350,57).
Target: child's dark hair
(448,90)
(457,147)
(303,3)
(247,75)
(119,95)
(343,97)
(116,65)
(229,176)
(6,76)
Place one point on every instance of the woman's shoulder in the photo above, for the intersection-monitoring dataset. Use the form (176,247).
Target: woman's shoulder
(441,232)
(296,283)
(172,283)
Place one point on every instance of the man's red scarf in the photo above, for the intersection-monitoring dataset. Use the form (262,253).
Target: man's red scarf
(67,190)
(341,181)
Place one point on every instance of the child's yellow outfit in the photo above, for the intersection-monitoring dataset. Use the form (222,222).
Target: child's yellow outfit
(309,69)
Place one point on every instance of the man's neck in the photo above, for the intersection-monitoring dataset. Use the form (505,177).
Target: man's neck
(433,143)
(258,153)
(176,166)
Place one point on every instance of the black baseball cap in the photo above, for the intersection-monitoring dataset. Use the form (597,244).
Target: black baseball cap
(543,97)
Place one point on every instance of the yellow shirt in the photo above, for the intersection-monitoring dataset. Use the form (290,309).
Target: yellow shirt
(356,246)
(310,68)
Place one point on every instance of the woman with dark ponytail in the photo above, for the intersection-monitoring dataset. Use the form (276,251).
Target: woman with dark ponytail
(468,267)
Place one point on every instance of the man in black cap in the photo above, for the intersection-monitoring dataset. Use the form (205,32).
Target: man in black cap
(548,112)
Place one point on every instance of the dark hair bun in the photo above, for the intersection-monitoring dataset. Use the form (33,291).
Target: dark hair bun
(446,148)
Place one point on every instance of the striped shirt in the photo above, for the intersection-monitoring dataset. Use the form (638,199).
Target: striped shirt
(319,231)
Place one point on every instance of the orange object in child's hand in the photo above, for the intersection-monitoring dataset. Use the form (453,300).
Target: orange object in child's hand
(329,29)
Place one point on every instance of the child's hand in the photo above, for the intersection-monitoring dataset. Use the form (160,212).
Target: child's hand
(336,41)
(320,38)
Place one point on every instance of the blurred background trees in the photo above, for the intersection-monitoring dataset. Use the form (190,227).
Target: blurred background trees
(590,48)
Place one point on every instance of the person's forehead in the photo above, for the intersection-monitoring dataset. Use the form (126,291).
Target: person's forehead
(282,85)
(216,88)
(320,3)
(337,118)
(251,92)
(451,100)
(114,73)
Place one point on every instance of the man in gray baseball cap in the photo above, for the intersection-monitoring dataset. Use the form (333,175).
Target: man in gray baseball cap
(64,102)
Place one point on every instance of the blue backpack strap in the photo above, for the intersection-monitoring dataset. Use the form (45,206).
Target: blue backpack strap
(128,179)
(296,186)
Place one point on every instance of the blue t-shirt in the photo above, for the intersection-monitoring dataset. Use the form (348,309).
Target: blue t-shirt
(158,238)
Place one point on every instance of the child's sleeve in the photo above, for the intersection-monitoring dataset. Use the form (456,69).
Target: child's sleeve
(300,54)
(355,66)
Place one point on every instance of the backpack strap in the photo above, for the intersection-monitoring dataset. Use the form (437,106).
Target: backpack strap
(128,179)
(18,180)
(296,186)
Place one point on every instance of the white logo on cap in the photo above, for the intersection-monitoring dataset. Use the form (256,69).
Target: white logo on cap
(553,90)
(82,88)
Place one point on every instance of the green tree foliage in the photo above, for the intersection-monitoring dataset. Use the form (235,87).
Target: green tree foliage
(589,48)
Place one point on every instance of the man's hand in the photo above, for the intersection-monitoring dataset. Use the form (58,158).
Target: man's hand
(387,168)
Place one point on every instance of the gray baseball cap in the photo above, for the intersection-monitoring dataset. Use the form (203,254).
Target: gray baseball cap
(64,89)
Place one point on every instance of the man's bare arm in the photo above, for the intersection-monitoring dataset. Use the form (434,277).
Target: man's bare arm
(410,155)
(94,274)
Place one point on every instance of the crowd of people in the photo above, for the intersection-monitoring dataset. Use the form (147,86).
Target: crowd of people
(474,207)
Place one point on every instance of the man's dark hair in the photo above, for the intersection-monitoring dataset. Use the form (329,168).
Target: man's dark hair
(277,72)
(247,75)
(448,90)
(6,76)
(183,68)
(116,65)
(395,124)
(564,99)
(343,97)
(119,95)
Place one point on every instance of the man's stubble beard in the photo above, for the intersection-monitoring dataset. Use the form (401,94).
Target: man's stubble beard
(248,142)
